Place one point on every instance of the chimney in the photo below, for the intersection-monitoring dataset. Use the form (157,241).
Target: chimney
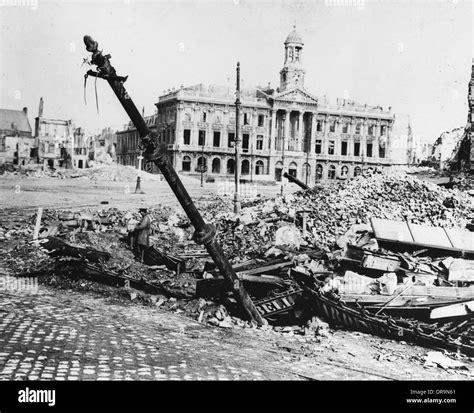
(26,111)
(40,110)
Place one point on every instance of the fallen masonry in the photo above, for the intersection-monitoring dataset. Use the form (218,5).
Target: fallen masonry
(336,268)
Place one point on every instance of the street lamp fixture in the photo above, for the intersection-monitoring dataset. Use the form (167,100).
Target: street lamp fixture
(237,143)
(283,119)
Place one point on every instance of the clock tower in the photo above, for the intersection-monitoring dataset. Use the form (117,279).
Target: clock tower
(292,74)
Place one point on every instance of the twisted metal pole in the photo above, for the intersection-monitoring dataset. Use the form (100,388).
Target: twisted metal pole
(157,153)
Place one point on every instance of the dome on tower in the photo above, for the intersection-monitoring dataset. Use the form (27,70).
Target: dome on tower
(294,37)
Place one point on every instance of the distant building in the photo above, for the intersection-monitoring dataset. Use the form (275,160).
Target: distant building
(105,142)
(454,150)
(402,148)
(16,141)
(80,154)
(128,142)
(55,140)
(287,129)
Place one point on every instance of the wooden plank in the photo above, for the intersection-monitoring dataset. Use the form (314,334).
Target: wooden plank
(380,263)
(426,237)
(392,230)
(57,248)
(263,279)
(267,268)
(416,292)
(454,310)
(423,234)
(461,270)
(462,240)
(38,223)
(438,292)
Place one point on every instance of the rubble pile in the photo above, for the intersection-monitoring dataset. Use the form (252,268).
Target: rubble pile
(276,247)
(332,211)
(100,172)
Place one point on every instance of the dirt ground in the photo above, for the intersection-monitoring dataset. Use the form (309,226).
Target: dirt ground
(30,192)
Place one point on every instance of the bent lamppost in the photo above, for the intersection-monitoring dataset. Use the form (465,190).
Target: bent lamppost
(154,152)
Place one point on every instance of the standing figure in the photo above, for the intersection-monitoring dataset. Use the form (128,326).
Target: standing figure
(141,234)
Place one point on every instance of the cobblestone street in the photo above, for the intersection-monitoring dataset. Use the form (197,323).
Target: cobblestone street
(51,334)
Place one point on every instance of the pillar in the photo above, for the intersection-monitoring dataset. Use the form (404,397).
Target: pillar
(287,129)
(313,134)
(273,130)
(300,130)
(178,130)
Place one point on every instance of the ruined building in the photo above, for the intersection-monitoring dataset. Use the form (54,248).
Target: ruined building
(470,118)
(454,150)
(287,129)
(59,143)
(16,141)
(54,139)
(128,140)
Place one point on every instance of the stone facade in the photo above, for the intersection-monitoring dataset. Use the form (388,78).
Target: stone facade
(105,142)
(128,141)
(16,141)
(55,140)
(54,137)
(287,129)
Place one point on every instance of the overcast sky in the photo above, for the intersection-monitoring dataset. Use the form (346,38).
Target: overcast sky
(412,55)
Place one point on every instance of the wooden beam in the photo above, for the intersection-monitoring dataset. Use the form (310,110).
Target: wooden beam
(454,310)
(38,223)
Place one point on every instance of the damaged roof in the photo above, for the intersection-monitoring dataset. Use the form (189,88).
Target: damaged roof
(14,119)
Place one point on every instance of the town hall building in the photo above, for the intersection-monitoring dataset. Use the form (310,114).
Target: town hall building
(287,129)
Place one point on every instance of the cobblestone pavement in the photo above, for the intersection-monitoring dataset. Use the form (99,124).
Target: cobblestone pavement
(51,334)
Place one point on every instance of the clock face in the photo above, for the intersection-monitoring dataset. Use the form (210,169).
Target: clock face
(296,77)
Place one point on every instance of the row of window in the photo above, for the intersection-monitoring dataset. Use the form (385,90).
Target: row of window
(369,152)
(218,118)
(129,141)
(216,139)
(259,168)
(306,172)
(358,127)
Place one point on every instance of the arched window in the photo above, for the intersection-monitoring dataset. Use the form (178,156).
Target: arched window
(216,166)
(278,171)
(186,164)
(201,163)
(230,166)
(259,168)
(332,172)
(245,167)
(292,169)
(344,171)
(357,171)
(319,172)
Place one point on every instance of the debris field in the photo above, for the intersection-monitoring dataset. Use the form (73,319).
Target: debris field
(306,259)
